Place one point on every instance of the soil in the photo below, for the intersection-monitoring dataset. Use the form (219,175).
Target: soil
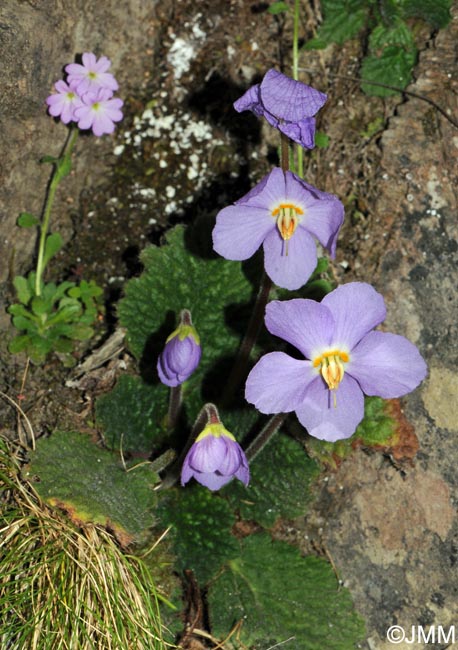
(183,151)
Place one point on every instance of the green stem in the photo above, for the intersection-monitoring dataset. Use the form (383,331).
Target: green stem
(299,149)
(53,185)
(265,435)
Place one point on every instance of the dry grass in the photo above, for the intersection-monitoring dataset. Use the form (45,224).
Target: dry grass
(63,588)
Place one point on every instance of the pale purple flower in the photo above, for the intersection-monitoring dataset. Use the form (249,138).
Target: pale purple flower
(63,103)
(91,75)
(215,458)
(286,104)
(283,213)
(98,111)
(345,359)
(181,354)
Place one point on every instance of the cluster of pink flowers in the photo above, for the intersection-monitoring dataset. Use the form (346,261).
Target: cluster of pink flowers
(86,96)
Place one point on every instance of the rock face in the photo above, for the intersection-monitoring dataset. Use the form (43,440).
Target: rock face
(37,39)
(393,534)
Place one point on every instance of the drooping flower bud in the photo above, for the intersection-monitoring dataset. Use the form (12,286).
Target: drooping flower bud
(181,354)
(215,457)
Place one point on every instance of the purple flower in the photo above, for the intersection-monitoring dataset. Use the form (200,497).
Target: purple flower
(98,111)
(92,75)
(181,354)
(286,104)
(63,103)
(345,359)
(215,458)
(283,213)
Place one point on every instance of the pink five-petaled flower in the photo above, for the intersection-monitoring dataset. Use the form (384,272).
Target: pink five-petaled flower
(283,213)
(91,75)
(64,102)
(286,104)
(215,458)
(98,111)
(345,359)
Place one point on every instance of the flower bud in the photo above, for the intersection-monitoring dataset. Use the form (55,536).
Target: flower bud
(215,458)
(181,354)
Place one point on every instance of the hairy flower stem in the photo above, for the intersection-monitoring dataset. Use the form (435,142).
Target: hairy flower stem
(299,149)
(249,340)
(207,415)
(56,177)
(257,316)
(265,435)
(174,406)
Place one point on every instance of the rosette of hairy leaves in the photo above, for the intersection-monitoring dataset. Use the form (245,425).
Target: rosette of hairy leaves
(51,322)
(92,485)
(282,596)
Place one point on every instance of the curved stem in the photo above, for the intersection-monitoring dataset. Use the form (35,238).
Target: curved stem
(265,435)
(55,180)
(174,406)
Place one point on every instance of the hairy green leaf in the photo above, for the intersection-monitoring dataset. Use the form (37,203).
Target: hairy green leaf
(133,415)
(24,293)
(92,485)
(281,477)
(27,220)
(393,68)
(280,597)
(52,247)
(343,19)
(201,529)
(434,12)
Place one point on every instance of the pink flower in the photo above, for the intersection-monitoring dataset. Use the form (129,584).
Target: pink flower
(91,75)
(98,111)
(64,103)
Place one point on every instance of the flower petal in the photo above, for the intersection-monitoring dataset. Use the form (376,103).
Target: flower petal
(207,454)
(249,101)
(323,219)
(387,365)
(232,460)
(288,99)
(357,308)
(306,324)
(240,231)
(326,422)
(302,132)
(292,270)
(212,480)
(266,194)
(278,383)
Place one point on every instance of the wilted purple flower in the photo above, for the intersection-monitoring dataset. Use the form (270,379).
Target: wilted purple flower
(215,458)
(98,111)
(345,358)
(181,354)
(63,103)
(286,104)
(91,75)
(283,213)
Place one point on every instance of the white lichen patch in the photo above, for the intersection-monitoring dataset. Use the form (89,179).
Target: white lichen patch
(185,48)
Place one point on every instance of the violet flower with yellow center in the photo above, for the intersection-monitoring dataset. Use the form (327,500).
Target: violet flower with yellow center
(345,359)
(91,74)
(287,105)
(284,214)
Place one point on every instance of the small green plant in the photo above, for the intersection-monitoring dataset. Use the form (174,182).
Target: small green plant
(391,50)
(53,316)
